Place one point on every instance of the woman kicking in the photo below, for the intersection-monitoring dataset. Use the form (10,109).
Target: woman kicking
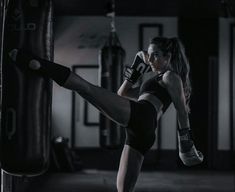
(170,83)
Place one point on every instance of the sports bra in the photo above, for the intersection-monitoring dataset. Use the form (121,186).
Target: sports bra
(153,87)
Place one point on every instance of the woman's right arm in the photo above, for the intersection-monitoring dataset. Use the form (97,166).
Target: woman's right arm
(132,74)
(126,90)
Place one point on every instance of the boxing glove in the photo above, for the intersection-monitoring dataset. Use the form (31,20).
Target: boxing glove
(138,68)
(188,153)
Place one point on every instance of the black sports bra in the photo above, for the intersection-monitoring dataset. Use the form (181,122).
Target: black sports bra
(153,87)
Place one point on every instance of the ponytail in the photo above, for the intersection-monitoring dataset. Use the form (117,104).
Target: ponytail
(178,63)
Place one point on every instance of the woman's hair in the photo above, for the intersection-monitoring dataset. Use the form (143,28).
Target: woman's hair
(178,63)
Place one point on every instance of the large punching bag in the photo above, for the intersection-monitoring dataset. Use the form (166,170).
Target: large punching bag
(111,59)
(26,96)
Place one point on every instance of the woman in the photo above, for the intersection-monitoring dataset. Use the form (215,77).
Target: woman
(170,83)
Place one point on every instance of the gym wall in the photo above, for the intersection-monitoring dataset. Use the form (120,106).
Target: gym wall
(226,50)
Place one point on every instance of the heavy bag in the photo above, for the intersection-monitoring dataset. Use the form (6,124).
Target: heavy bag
(111,59)
(26,96)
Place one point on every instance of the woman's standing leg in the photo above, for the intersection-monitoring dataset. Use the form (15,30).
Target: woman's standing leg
(118,109)
(129,169)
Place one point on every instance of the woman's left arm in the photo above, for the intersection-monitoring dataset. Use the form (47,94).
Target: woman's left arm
(174,86)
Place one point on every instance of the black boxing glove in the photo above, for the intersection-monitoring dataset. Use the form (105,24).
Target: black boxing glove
(131,75)
(137,69)
(140,63)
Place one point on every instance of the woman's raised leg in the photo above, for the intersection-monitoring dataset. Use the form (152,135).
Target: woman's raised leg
(115,107)
(110,104)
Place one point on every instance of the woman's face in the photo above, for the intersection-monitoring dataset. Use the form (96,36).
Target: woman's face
(156,59)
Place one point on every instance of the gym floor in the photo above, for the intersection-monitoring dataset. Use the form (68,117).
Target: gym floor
(157,181)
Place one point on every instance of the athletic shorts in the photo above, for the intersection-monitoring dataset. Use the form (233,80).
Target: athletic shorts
(140,132)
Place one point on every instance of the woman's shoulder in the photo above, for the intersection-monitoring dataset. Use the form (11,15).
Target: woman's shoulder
(171,78)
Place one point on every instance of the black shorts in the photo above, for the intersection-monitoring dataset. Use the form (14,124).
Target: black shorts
(140,132)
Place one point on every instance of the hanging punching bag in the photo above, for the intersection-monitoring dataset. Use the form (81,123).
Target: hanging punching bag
(26,97)
(111,60)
